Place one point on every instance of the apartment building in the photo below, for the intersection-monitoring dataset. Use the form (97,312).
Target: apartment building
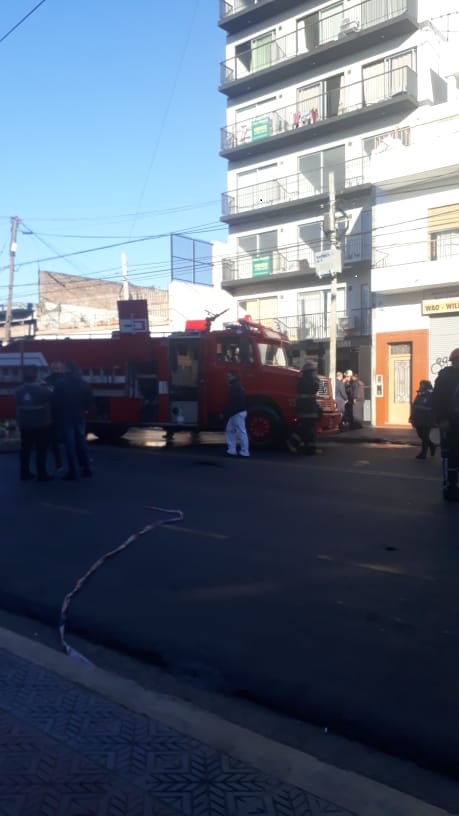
(315,88)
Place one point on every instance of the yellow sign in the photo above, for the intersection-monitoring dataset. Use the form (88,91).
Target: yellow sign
(445,306)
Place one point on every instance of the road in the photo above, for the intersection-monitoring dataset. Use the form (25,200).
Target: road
(324,588)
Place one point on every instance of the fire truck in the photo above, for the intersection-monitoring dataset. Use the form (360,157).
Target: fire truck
(178,382)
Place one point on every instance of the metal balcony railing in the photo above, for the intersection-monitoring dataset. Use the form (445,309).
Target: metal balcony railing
(235,6)
(296,187)
(349,324)
(297,259)
(324,100)
(314,31)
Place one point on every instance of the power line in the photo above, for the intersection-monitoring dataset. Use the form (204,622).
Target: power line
(22,20)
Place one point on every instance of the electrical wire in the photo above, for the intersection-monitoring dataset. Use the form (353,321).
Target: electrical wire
(22,20)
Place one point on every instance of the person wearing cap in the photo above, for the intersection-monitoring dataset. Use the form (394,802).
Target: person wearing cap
(307,411)
(235,416)
(445,401)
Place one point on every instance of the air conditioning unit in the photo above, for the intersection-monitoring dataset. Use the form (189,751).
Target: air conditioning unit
(349,26)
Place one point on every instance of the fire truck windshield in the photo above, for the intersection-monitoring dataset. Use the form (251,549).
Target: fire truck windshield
(272,354)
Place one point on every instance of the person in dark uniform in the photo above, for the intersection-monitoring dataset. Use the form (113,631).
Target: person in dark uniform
(307,411)
(445,400)
(421,418)
(33,414)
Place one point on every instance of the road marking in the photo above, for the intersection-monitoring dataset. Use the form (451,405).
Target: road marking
(192,531)
(67,509)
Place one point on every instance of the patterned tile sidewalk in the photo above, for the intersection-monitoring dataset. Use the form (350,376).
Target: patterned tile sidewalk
(67,751)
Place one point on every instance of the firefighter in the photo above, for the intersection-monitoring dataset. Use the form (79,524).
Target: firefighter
(235,416)
(307,411)
(446,411)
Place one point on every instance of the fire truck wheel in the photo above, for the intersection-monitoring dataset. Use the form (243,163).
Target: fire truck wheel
(263,427)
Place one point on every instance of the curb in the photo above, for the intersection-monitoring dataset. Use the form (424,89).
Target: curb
(359,794)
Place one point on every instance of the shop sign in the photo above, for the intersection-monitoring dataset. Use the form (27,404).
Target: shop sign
(443,306)
(261,266)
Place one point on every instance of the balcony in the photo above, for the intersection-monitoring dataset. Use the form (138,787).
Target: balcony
(290,193)
(319,40)
(288,266)
(236,15)
(327,107)
(316,327)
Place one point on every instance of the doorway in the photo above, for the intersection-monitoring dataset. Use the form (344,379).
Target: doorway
(399,391)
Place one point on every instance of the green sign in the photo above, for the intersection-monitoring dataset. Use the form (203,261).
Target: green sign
(261,128)
(261,266)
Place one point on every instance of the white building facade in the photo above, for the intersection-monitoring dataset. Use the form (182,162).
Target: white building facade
(314,88)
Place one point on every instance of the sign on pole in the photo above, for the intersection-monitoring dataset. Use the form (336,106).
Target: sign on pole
(328,262)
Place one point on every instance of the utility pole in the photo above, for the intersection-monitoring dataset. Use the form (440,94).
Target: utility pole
(334,275)
(125,276)
(9,305)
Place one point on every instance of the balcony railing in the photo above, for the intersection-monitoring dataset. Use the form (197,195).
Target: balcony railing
(235,6)
(317,31)
(349,324)
(297,259)
(321,102)
(295,188)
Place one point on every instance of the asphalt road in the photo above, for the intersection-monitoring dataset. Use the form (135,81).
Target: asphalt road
(325,588)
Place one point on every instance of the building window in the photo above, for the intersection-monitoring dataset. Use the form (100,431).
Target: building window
(443,228)
(314,169)
(321,27)
(387,77)
(444,244)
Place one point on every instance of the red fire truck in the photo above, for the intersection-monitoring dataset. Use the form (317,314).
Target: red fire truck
(177,382)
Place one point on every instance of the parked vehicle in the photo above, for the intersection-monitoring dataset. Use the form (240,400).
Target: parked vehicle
(177,382)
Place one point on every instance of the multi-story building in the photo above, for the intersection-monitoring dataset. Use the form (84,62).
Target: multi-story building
(314,88)
(415,269)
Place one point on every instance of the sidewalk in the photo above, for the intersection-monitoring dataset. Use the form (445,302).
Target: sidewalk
(389,434)
(75,740)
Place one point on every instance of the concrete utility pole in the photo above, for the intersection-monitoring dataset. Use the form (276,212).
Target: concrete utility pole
(9,306)
(334,275)
(125,276)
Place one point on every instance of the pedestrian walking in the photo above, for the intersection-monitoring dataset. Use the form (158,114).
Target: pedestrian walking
(307,411)
(33,415)
(71,401)
(446,412)
(235,416)
(422,418)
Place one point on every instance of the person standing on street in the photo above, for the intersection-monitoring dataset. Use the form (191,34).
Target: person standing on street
(57,372)
(33,414)
(358,389)
(71,401)
(307,411)
(235,416)
(446,412)
(340,393)
(421,417)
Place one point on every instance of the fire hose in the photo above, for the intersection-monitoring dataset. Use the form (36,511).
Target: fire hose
(173,517)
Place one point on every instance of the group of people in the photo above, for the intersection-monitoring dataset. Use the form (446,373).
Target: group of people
(438,406)
(51,413)
(349,397)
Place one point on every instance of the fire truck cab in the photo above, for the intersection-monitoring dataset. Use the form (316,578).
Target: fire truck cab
(177,382)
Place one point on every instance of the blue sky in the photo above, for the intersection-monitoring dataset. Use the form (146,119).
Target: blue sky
(110,131)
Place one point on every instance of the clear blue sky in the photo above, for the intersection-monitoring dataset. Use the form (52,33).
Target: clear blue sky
(110,119)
